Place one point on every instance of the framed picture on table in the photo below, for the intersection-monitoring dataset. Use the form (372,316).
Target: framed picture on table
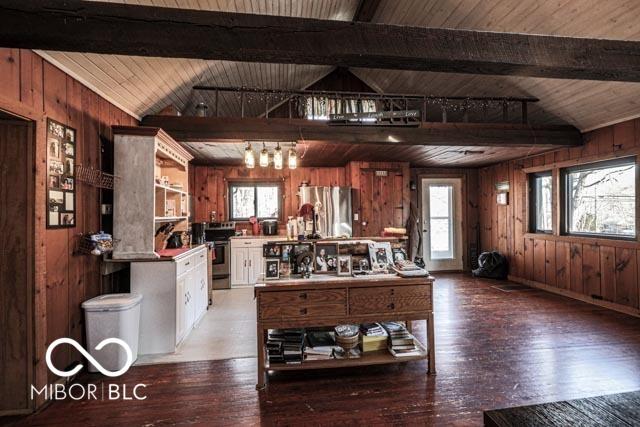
(380,255)
(271,269)
(344,265)
(326,258)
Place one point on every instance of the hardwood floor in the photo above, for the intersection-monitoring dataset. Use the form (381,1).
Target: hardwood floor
(494,349)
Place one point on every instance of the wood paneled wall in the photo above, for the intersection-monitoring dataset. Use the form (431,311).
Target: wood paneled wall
(470,200)
(35,89)
(604,271)
(382,201)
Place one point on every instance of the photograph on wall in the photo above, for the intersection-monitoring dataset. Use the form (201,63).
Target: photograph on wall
(61,197)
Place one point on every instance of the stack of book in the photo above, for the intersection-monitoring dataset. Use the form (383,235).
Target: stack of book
(373,337)
(285,345)
(401,342)
(320,345)
(409,269)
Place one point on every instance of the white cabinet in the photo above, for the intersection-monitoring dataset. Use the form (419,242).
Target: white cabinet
(247,262)
(174,299)
(255,261)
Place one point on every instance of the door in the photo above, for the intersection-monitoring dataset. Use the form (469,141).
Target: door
(255,264)
(239,267)
(442,223)
(17,191)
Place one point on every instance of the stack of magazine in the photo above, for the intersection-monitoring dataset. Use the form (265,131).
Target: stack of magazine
(409,269)
(285,345)
(320,345)
(401,342)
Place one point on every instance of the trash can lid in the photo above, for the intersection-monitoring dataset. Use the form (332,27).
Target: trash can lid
(112,302)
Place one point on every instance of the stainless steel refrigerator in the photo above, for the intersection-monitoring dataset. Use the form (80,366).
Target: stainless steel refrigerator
(334,209)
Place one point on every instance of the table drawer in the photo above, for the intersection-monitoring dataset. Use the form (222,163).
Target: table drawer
(329,296)
(385,300)
(301,311)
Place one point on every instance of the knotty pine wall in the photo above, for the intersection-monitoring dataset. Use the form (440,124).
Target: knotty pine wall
(33,88)
(602,271)
(382,201)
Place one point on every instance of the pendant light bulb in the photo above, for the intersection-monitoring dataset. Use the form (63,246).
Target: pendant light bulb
(264,157)
(293,157)
(277,157)
(249,157)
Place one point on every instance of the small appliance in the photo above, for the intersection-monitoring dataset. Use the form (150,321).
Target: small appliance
(198,236)
(269,227)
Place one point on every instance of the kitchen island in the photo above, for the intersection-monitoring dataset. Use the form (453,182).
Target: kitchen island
(324,300)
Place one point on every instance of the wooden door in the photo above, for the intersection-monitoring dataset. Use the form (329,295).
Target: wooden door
(381,201)
(16,265)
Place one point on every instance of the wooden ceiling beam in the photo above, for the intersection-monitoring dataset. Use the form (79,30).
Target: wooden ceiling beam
(225,129)
(110,28)
(366,10)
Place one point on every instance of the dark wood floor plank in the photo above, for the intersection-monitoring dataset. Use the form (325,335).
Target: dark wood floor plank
(494,350)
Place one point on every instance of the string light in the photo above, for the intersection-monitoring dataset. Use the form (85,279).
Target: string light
(264,157)
(249,157)
(277,157)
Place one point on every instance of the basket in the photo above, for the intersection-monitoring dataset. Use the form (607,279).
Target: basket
(94,177)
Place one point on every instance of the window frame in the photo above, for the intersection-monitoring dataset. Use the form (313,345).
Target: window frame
(255,184)
(533,217)
(564,185)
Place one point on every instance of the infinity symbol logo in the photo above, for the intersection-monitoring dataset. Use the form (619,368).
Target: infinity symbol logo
(86,354)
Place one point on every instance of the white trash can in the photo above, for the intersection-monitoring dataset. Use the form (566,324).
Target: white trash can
(112,316)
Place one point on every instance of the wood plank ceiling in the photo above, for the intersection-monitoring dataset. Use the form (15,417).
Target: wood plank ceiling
(584,104)
(144,86)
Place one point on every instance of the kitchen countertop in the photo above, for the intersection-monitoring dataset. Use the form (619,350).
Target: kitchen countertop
(164,255)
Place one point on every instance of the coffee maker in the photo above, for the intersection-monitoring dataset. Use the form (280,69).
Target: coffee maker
(198,233)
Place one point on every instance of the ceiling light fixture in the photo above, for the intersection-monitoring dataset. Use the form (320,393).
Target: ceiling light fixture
(277,157)
(293,157)
(249,157)
(264,156)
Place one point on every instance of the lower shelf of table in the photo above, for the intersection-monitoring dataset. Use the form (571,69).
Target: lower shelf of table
(381,357)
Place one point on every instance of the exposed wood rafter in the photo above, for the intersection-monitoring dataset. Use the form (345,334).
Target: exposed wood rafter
(202,129)
(366,10)
(179,33)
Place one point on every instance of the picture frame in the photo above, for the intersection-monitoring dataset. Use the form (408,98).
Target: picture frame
(345,267)
(399,254)
(271,269)
(61,175)
(380,255)
(271,250)
(286,253)
(325,258)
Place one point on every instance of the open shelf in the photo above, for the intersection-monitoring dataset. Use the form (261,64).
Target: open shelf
(170,218)
(381,357)
(166,188)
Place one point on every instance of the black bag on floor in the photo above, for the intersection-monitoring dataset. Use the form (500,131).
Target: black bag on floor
(492,265)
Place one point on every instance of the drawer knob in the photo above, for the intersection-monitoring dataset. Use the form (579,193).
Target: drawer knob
(303,295)
(303,311)
(391,306)
(187,263)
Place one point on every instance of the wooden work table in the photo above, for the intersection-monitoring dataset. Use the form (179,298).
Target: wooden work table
(325,300)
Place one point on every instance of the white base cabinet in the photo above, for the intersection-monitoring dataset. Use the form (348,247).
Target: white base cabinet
(247,262)
(174,299)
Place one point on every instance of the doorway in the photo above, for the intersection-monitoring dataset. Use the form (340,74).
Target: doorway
(442,224)
(17,190)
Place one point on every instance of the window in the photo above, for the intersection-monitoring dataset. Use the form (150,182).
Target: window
(441,220)
(540,203)
(261,200)
(600,199)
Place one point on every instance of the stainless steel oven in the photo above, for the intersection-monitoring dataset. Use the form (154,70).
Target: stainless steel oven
(219,233)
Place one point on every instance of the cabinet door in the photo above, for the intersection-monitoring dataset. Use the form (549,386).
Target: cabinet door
(255,264)
(239,267)
(181,306)
(202,291)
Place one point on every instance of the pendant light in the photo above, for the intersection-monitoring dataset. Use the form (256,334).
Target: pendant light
(249,157)
(277,157)
(264,157)
(293,157)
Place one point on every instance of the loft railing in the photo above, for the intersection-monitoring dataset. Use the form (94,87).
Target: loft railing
(391,108)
